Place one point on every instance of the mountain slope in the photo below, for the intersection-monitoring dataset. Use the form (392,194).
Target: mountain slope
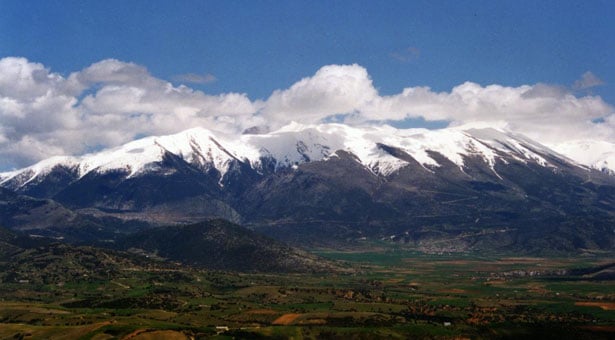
(464,188)
(41,261)
(23,212)
(46,217)
(218,244)
(525,207)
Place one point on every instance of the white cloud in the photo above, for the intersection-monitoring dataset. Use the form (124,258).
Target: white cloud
(110,102)
(548,113)
(334,89)
(113,72)
(24,81)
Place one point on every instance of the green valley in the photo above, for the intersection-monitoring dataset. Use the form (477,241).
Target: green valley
(389,293)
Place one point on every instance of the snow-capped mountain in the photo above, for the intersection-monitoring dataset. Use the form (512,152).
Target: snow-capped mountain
(467,187)
(296,144)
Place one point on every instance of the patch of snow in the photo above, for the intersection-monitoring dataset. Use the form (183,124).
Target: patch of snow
(598,155)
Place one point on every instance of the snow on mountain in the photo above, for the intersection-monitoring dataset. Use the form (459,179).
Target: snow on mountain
(43,167)
(297,143)
(197,146)
(599,155)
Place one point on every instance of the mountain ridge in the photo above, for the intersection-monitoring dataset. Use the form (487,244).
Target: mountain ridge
(332,184)
(295,144)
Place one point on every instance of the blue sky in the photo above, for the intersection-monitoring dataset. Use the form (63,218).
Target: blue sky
(93,74)
(259,46)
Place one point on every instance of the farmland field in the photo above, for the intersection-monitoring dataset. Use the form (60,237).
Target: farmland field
(385,294)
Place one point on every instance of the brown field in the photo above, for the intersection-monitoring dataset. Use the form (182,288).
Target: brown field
(495,282)
(312,322)
(286,319)
(453,291)
(155,335)
(601,328)
(32,308)
(7,331)
(394,281)
(603,305)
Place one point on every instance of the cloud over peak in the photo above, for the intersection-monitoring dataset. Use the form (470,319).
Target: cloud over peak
(110,102)
(334,89)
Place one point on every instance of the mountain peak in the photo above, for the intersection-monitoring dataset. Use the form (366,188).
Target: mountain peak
(298,143)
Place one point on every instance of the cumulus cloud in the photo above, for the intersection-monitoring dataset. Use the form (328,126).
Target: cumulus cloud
(114,72)
(334,89)
(21,80)
(546,113)
(587,80)
(549,113)
(111,102)
(108,103)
